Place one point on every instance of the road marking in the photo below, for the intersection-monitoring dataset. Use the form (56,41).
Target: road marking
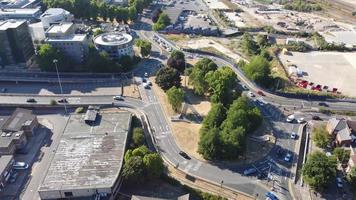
(187,168)
(197,166)
(185,162)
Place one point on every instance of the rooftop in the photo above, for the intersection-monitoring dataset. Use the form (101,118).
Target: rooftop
(114,38)
(7,138)
(7,24)
(60,28)
(4,161)
(54,11)
(18,118)
(89,156)
(17,11)
(69,38)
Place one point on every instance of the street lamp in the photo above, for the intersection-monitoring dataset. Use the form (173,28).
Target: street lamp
(55,61)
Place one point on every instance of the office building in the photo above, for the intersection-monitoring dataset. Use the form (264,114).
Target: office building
(30,14)
(55,16)
(15,42)
(116,44)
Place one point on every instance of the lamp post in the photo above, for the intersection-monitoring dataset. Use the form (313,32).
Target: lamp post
(55,61)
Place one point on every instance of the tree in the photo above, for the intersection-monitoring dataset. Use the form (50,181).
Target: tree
(176,98)
(177,61)
(249,46)
(351,177)
(100,62)
(209,144)
(341,154)
(153,165)
(155,15)
(145,47)
(46,54)
(140,151)
(168,77)
(319,170)
(162,22)
(197,75)
(132,14)
(133,170)
(215,117)
(321,136)
(128,155)
(233,142)
(138,137)
(97,32)
(259,71)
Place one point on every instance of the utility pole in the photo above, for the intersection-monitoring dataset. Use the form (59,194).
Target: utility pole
(55,61)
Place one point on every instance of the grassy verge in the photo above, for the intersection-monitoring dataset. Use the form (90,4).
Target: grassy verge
(212,50)
(337,112)
(176,37)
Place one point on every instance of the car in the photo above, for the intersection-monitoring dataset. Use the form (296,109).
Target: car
(146,74)
(316,117)
(244,87)
(146,86)
(261,93)
(288,157)
(184,155)
(290,118)
(20,165)
(149,83)
(323,104)
(279,151)
(251,94)
(62,100)
(293,135)
(144,80)
(3,90)
(271,195)
(13,177)
(339,183)
(250,171)
(31,100)
(118,98)
(300,120)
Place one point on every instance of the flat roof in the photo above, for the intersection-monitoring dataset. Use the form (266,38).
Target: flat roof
(4,25)
(89,156)
(17,119)
(113,38)
(4,161)
(18,11)
(54,11)
(59,28)
(69,38)
(7,138)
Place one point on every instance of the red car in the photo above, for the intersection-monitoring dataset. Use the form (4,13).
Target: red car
(261,93)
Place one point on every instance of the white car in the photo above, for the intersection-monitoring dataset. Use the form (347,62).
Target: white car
(146,86)
(293,135)
(290,118)
(339,182)
(251,94)
(20,165)
(244,87)
(300,120)
(118,98)
(146,74)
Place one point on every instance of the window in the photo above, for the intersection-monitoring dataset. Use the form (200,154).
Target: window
(68,194)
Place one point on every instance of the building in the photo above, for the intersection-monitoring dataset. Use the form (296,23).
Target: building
(30,14)
(19,3)
(55,16)
(62,36)
(88,160)
(15,42)
(137,197)
(343,131)
(6,163)
(119,2)
(116,44)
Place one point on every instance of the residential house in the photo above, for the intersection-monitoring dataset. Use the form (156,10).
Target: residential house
(342,131)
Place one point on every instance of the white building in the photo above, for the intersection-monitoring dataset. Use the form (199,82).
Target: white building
(63,37)
(116,44)
(22,13)
(55,16)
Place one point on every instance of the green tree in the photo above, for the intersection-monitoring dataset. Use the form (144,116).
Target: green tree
(249,46)
(197,75)
(233,142)
(259,71)
(46,54)
(97,32)
(128,155)
(177,61)
(319,170)
(133,170)
(176,98)
(341,154)
(145,47)
(153,165)
(132,13)
(215,117)
(351,177)
(140,151)
(138,137)
(100,62)
(321,136)
(209,144)
(168,77)
(162,22)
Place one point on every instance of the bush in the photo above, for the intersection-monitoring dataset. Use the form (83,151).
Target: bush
(321,136)
(168,77)
(138,137)
(53,102)
(79,110)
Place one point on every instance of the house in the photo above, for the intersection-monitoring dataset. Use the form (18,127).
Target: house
(342,131)
(20,120)
(5,169)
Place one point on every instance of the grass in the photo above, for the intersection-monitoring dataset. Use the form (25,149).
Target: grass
(176,37)
(264,1)
(212,50)
(337,112)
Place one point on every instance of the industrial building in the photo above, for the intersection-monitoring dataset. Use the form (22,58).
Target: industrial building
(15,42)
(55,16)
(30,14)
(116,44)
(62,36)
(88,160)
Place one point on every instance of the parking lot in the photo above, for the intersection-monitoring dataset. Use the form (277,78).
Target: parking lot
(332,69)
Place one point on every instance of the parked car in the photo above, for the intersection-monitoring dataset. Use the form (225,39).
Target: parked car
(288,157)
(31,100)
(271,195)
(323,104)
(146,74)
(149,83)
(118,98)
(13,177)
(261,93)
(290,118)
(146,86)
(293,135)
(279,151)
(339,183)
(251,94)
(244,87)
(250,171)
(20,165)
(316,117)
(144,80)
(184,155)
(62,100)
(300,120)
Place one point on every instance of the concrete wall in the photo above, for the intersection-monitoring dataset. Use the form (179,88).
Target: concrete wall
(65,194)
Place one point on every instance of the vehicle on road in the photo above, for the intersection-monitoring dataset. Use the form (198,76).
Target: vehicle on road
(271,195)
(323,104)
(261,93)
(146,86)
(184,155)
(339,183)
(288,157)
(149,83)
(293,135)
(118,98)
(251,94)
(62,100)
(3,90)
(31,100)
(279,151)
(146,74)
(316,117)
(290,118)
(300,120)
(250,171)
(13,177)
(20,165)
(244,87)
(144,80)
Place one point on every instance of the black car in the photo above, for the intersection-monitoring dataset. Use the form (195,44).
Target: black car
(279,151)
(62,101)
(184,155)
(31,100)
(316,117)
(323,104)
